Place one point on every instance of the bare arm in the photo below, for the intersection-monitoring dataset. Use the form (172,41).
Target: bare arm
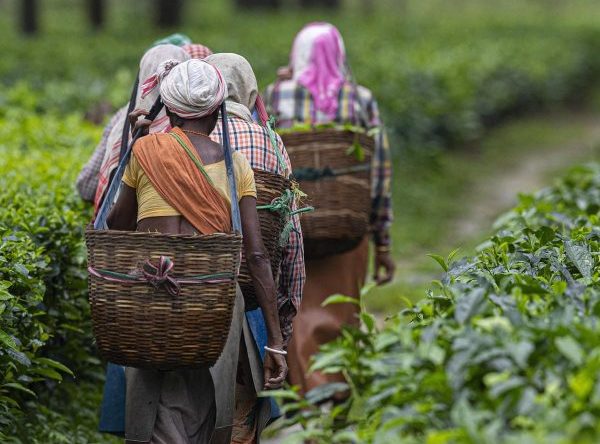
(123,215)
(259,266)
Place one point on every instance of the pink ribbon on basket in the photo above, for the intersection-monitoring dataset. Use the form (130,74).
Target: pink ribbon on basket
(160,276)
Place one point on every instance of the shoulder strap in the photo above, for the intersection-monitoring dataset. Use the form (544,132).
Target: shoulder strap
(236,220)
(130,108)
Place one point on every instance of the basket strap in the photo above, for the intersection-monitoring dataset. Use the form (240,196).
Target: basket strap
(282,165)
(236,220)
(312,174)
(107,203)
(130,108)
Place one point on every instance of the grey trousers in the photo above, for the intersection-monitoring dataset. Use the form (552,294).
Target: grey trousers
(186,406)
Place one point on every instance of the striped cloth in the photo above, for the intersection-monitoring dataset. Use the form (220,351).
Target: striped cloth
(292,104)
(253,141)
(111,157)
(87,181)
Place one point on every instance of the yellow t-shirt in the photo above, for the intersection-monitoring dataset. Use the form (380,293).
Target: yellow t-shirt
(151,204)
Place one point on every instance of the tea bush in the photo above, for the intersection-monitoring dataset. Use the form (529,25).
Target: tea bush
(503,350)
(45,329)
(440,78)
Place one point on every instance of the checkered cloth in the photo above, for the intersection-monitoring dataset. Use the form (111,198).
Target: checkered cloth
(291,104)
(253,141)
(197,51)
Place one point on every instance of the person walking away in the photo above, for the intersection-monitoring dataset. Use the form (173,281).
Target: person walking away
(316,89)
(177,183)
(253,141)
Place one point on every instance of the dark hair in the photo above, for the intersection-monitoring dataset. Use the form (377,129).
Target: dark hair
(177,121)
(174,118)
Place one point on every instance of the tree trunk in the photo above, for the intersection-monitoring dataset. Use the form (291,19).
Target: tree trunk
(96,11)
(168,13)
(29,15)
(263,4)
(331,4)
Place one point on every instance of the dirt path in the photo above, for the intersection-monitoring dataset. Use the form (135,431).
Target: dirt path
(493,191)
(532,172)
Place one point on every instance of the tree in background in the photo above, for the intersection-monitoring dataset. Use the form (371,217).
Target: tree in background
(29,16)
(324,3)
(96,13)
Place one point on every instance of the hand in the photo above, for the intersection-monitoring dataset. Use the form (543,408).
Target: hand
(275,370)
(384,261)
(136,122)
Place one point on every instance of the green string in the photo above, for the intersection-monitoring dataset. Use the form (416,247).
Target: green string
(193,157)
(282,205)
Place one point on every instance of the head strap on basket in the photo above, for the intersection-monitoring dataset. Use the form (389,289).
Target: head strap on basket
(130,108)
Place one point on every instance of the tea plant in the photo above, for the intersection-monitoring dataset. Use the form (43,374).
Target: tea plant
(504,349)
(44,316)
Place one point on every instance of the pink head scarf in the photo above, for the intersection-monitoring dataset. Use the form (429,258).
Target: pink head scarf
(318,63)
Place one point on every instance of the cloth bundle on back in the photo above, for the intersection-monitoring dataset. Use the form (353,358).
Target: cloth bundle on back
(317,89)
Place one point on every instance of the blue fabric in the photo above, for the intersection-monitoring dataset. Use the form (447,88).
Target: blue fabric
(257,325)
(255,116)
(112,411)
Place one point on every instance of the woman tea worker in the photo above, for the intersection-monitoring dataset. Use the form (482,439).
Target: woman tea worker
(177,183)
(253,140)
(317,89)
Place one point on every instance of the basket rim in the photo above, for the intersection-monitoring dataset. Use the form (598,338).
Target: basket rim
(90,230)
(283,132)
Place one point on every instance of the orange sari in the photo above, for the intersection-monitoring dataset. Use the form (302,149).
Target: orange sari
(182,182)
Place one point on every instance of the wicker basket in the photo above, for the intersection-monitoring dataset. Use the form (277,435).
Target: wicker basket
(269,186)
(154,325)
(342,203)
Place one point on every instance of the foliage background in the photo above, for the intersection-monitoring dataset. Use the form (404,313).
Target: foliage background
(444,72)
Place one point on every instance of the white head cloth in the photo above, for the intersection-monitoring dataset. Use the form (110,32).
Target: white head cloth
(242,88)
(150,63)
(192,89)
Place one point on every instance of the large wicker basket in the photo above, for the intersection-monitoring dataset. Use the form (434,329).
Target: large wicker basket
(269,186)
(342,201)
(170,319)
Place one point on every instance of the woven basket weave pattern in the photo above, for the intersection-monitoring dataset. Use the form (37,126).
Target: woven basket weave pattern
(268,187)
(342,203)
(139,325)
